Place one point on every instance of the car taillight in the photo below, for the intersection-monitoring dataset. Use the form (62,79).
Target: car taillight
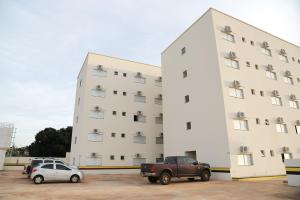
(34,170)
(152,168)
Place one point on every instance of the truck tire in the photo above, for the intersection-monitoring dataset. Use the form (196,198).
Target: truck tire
(165,178)
(205,176)
(152,179)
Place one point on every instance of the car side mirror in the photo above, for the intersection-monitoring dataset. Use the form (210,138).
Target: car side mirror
(195,163)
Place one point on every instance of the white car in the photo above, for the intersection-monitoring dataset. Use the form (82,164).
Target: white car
(55,172)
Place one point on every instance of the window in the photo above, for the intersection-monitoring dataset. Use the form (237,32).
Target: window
(124,93)
(288,80)
(139,78)
(76,119)
(113,134)
(257,121)
(114,112)
(293,59)
(78,101)
(183,51)
(188,126)
(48,161)
(262,153)
(75,139)
(112,157)
(297,127)
(187,98)
(276,101)
(271,75)
(245,159)
(281,128)
(236,92)
(184,73)
(248,64)
(240,124)
(252,91)
(115,73)
(62,167)
(48,166)
(298,60)
(256,67)
(123,113)
(294,104)
(243,39)
(95,137)
(232,63)
(115,92)
(252,43)
(170,160)
(283,58)
(80,83)
(286,156)
(123,135)
(266,51)
(261,93)
(267,123)
(124,74)
(298,80)
(122,157)
(272,153)
(228,37)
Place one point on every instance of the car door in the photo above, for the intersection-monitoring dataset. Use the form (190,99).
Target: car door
(183,167)
(62,172)
(48,171)
(192,166)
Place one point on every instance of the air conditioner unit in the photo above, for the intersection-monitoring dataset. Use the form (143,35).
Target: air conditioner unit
(139,112)
(100,67)
(232,55)
(139,74)
(161,134)
(236,84)
(282,52)
(240,115)
(285,149)
(265,45)
(139,93)
(227,29)
(280,120)
(243,149)
(97,108)
(275,93)
(288,73)
(93,155)
(293,97)
(98,87)
(95,130)
(138,155)
(139,133)
(270,68)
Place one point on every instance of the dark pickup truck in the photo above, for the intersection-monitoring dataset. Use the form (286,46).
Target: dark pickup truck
(175,166)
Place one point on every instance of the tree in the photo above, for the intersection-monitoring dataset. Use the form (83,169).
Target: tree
(51,143)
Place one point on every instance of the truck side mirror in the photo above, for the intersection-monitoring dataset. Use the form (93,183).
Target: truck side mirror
(195,163)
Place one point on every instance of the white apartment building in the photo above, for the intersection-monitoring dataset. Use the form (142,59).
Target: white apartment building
(6,137)
(231,97)
(118,115)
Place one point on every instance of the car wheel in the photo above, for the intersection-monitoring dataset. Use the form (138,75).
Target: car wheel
(74,179)
(152,179)
(165,178)
(191,179)
(205,176)
(38,179)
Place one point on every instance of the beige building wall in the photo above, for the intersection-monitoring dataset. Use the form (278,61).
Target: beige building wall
(133,146)
(211,109)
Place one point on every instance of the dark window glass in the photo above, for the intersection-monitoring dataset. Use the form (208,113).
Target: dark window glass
(62,167)
(58,161)
(48,161)
(170,160)
(189,160)
(48,166)
(36,162)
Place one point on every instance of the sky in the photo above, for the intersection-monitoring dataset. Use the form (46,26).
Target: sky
(43,44)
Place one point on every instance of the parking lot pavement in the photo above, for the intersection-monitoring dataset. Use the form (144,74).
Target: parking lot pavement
(14,185)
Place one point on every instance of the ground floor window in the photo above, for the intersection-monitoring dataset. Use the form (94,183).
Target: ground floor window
(245,159)
(286,156)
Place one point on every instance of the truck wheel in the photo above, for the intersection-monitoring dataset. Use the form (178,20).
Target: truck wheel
(152,179)
(205,176)
(165,178)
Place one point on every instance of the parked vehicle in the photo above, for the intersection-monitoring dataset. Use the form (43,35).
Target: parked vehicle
(175,166)
(55,172)
(37,161)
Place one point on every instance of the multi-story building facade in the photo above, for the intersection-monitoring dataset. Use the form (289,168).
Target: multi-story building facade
(118,115)
(230,97)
